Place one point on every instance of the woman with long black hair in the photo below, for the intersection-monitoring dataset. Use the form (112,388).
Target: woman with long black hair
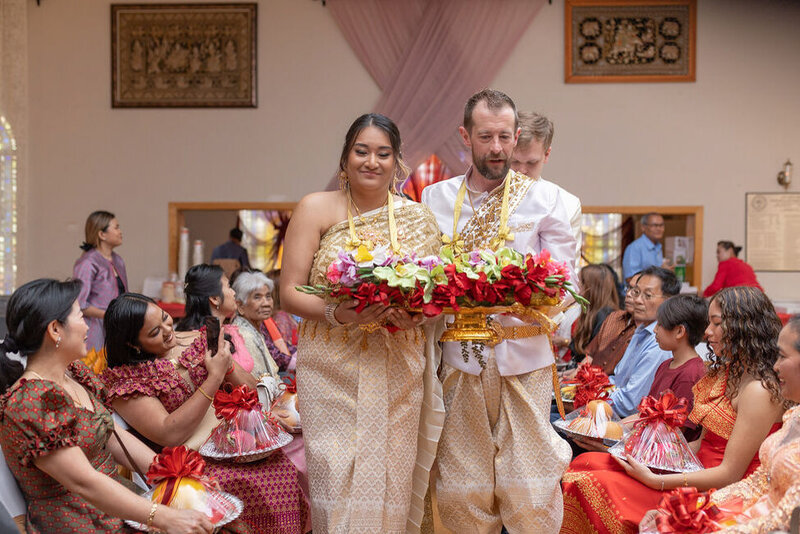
(57,436)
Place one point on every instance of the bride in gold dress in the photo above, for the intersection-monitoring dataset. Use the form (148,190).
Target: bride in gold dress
(369,441)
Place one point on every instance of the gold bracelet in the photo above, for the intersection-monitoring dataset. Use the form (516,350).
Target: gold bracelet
(330,311)
(206,395)
(151,517)
(685,482)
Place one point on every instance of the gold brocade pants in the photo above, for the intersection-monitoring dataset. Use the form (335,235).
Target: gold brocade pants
(499,460)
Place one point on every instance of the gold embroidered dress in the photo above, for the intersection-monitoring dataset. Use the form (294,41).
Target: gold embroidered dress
(499,459)
(370,437)
(771,493)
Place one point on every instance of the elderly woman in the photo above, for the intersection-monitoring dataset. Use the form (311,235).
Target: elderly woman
(254,306)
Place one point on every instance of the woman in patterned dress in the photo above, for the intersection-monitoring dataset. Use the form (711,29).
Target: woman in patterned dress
(164,390)
(55,432)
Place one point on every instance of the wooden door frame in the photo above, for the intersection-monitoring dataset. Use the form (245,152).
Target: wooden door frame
(176,219)
(697,211)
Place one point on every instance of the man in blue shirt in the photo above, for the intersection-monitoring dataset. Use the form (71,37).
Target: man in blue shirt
(232,249)
(634,373)
(646,250)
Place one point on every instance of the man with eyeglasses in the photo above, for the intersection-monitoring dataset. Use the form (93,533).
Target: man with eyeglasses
(634,373)
(646,250)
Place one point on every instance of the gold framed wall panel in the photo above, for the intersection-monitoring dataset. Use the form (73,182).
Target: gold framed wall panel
(612,41)
(183,55)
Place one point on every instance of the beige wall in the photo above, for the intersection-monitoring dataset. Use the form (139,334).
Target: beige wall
(705,143)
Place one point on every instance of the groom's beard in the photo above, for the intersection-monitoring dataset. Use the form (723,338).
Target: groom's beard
(492,173)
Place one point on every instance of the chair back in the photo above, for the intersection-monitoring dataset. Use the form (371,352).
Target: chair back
(10,495)
(229,266)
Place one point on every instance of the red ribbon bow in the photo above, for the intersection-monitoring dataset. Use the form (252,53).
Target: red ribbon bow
(686,510)
(229,403)
(668,408)
(592,382)
(591,376)
(290,382)
(585,395)
(174,463)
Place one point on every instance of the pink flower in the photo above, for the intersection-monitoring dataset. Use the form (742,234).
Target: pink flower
(333,274)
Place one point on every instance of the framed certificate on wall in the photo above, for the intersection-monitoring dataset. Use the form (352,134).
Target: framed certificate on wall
(772,234)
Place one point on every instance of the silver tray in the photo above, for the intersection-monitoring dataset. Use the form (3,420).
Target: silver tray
(561,426)
(238,506)
(208,450)
(690,469)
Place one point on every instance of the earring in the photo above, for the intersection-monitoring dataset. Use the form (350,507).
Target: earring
(344,181)
(217,306)
(58,342)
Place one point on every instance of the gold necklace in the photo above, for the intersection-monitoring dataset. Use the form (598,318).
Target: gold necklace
(469,197)
(354,242)
(358,211)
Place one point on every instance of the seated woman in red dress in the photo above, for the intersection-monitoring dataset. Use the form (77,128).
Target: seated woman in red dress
(738,404)
(731,271)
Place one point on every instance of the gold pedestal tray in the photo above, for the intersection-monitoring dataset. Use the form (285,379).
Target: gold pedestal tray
(473,324)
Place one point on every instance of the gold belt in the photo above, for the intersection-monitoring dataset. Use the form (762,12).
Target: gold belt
(519,332)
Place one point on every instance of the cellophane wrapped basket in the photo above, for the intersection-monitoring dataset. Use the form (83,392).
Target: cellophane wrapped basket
(245,433)
(178,475)
(596,420)
(657,440)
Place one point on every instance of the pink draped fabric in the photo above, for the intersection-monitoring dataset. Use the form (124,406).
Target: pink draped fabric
(429,57)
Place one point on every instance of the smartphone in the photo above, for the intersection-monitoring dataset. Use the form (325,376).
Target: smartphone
(212,333)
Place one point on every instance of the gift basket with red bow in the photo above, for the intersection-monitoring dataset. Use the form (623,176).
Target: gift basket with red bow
(246,434)
(590,383)
(284,408)
(657,440)
(688,511)
(179,481)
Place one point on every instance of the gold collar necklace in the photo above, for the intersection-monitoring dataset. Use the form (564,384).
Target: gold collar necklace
(354,241)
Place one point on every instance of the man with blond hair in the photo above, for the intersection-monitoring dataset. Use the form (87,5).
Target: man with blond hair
(532,152)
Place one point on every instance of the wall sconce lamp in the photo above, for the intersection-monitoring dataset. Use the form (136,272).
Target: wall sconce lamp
(785,176)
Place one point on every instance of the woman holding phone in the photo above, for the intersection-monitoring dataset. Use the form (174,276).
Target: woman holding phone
(164,387)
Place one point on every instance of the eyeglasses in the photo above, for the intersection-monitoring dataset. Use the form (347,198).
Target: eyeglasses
(635,292)
(656,225)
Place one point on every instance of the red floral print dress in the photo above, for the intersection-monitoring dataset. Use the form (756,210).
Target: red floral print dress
(38,417)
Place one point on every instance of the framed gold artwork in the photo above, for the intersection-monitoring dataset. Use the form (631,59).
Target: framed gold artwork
(630,41)
(183,55)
